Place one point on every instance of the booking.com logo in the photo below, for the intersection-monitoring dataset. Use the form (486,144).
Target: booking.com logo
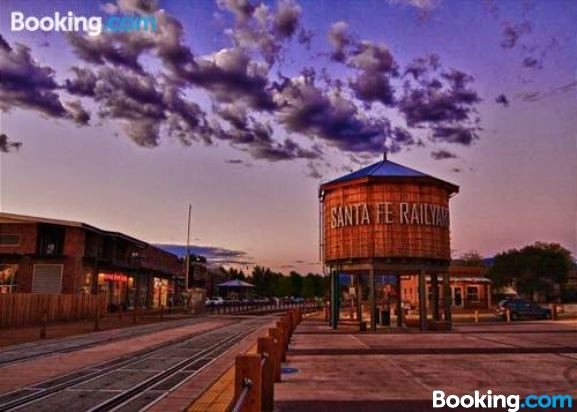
(511,403)
(92,25)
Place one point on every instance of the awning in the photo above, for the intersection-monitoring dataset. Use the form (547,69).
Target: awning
(478,279)
(235,283)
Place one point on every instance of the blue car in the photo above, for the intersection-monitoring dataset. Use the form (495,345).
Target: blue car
(522,309)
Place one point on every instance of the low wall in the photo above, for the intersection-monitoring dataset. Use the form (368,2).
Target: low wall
(20,309)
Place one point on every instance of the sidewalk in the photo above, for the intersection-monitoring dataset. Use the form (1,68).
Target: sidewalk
(399,371)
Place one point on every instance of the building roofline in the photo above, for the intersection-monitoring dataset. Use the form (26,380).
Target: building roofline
(16,218)
(401,173)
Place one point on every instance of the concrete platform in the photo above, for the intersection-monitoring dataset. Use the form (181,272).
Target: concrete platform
(398,370)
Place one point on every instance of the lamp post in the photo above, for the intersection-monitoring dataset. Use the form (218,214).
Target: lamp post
(187,268)
(135,256)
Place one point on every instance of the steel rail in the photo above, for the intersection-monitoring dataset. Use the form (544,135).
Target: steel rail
(125,397)
(80,346)
(92,372)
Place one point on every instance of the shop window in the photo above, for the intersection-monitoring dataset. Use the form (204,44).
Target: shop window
(430,292)
(50,240)
(473,294)
(9,239)
(8,278)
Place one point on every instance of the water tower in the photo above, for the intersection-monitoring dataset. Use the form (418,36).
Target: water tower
(388,219)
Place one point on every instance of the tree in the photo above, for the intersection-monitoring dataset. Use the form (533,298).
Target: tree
(538,268)
(471,258)
(309,286)
(296,283)
(284,286)
(236,274)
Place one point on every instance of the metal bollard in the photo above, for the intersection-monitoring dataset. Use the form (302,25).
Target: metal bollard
(44,324)
(553,308)
(476,316)
(97,316)
(508,315)
(134,313)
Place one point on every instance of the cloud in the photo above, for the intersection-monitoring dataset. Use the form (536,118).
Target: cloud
(418,4)
(503,100)
(423,7)
(340,39)
(138,6)
(142,103)
(154,86)
(376,66)
(230,75)
(260,29)
(454,134)
(7,146)
(214,254)
(287,19)
(83,83)
(443,154)
(77,112)
(443,101)
(421,66)
(313,170)
(257,137)
(26,84)
(530,62)
(373,62)
(119,49)
(305,108)
(535,96)
(513,32)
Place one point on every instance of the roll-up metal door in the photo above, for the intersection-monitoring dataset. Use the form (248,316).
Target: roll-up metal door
(47,279)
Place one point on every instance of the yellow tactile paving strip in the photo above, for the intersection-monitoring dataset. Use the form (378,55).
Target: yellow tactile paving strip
(220,395)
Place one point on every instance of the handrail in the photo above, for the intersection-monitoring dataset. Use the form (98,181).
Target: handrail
(247,385)
(264,359)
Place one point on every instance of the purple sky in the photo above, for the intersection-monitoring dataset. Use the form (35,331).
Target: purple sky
(241,110)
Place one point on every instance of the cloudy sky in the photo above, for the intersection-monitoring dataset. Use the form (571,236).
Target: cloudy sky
(242,108)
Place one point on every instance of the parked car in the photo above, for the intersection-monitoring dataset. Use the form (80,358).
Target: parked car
(521,308)
(214,301)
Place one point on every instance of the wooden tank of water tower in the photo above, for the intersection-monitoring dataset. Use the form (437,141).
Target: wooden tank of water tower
(388,221)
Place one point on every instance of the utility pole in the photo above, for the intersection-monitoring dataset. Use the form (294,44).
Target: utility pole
(187,269)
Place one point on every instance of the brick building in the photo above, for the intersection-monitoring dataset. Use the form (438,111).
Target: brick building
(470,289)
(206,276)
(40,255)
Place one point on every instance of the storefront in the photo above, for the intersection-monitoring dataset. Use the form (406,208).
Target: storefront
(160,292)
(116,287)
(8,278)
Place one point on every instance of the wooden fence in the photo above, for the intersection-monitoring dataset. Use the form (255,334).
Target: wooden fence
(19,309)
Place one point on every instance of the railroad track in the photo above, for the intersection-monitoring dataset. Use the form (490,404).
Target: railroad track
(131,384)
(37,350)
